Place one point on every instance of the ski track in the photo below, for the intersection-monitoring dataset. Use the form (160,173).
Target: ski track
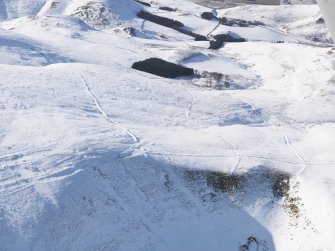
(192,102)
(286,138)
(14,185)
(125,130)
(105,115)
(238,155)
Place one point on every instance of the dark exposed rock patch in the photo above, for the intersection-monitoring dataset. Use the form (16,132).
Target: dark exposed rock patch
(95,14)
(239,22)
(162,68)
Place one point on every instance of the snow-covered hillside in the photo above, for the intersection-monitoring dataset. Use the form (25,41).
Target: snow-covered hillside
(95,155)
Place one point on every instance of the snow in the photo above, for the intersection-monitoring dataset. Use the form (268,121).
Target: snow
(97,156)
(326,7)
(300,21)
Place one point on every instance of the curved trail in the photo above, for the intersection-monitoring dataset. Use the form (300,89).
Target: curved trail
(105,115)
(238,155)
(192,103)
(135,139)
(286,138)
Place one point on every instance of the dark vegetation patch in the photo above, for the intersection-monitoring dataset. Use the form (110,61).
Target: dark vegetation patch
(162,68)
(219,40)
(281,185)
(130,31)
(167,8)
(230,21)
(219,81)
(276,183)
(254,243)
(170,23)
(164,21)
(320,21)
(282,188)
(220,182)
(226,183)
(213,80)
(208,16)
(196,36)
(216,44)
(143,3)
(229,37)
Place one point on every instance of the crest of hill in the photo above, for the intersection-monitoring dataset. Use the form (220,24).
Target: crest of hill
(106,11)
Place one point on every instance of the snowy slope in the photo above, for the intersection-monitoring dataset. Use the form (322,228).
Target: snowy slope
(95,155)
(300,21)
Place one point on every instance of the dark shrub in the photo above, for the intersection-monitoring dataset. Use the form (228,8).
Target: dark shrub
(143,3)
(220,39)
(281,184)
(216,44)
(197,37)
(162,68)
(229,37)
(170,23)
(223,20)
(222,182)
(167,22)
(256,23)
(207,15)
(320,21)
(167,8)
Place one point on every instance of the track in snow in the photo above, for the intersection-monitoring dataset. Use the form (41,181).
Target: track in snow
(286,138)
(135,139)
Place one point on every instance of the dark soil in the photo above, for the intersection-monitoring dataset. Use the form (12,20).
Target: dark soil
(162,68)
